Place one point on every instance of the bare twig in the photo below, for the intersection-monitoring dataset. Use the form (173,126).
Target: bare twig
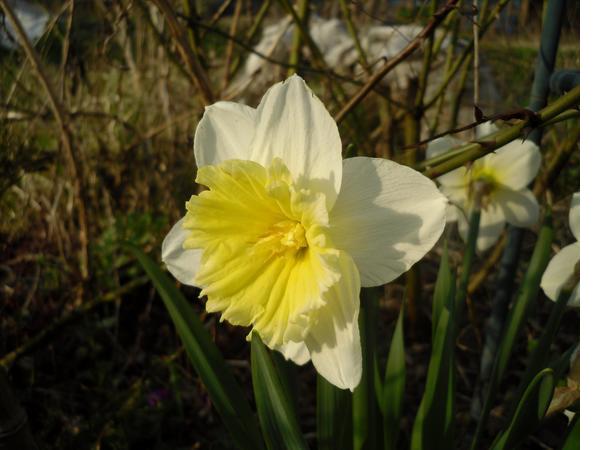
(50,330)
(474,150)
(229,50)
(475,60)
(61,117)
(405,53)
(296,49)
(197,72)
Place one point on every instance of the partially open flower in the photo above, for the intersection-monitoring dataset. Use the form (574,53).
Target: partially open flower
(562,265)
(502,177)
(287,232)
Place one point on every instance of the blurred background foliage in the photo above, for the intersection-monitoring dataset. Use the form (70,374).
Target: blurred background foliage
(91,353)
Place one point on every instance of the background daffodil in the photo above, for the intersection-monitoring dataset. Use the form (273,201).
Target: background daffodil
(562,265)
(503,177)
(287,232)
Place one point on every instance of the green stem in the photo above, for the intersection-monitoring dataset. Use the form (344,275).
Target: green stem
(540,356)
(469,256)
(362,57)
(297,37)
(474,150)
(467,52)
(424,73)
(334,421)
(251,34)
(365,412)
(517,317)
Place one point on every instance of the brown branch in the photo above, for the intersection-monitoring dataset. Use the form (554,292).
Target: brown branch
(183,46)
(37,340)
(61,117)
(436,20)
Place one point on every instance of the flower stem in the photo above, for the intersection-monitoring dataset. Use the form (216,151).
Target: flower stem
(469,256)
(475,150)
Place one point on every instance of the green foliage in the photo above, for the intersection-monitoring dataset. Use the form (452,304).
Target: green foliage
(572,441)
(529,413)
(392,397)
(433,428)
(334,416)
(139,229)
(517,317)
(206,358)
(276,412)
(366,416)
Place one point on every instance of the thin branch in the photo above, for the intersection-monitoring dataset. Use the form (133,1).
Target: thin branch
(199,77)
(37,340)
(475,150)
(475,59)
(405,53)
(61,117)
(229,50)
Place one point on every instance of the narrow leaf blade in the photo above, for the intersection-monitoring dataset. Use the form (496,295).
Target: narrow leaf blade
(275,407)
(530,411)
(393,385)
(334,419)
(225,393)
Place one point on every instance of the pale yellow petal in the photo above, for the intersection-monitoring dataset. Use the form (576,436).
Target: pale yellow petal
(334,340)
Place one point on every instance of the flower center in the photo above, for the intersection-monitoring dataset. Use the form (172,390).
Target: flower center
(267,258)
(485,182)
(285,237)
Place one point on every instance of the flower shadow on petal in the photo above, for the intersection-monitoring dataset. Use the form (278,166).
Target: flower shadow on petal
(384,242)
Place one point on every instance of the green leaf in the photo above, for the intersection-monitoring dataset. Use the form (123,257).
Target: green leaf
(572,441)
(366,421)
(540,357)
(530,411)
(444,284)
(516,319)
(527,293)
(433,427)
(334,418)
(393,386)
(275,407)
(225,393)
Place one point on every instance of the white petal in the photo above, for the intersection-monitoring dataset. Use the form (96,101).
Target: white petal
(441,145)
(452,213)
(334,341)
(458,195)
(295,351)
(515,164)
(387,217)
(559,270)
(294,125)
(520,208)
(182,263)
(455,178)
(574,215)
(491,224)
(224,132)
(485,129)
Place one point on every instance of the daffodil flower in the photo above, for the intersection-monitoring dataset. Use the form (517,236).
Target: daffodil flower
(502,176)
(562,265)
(287,232)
